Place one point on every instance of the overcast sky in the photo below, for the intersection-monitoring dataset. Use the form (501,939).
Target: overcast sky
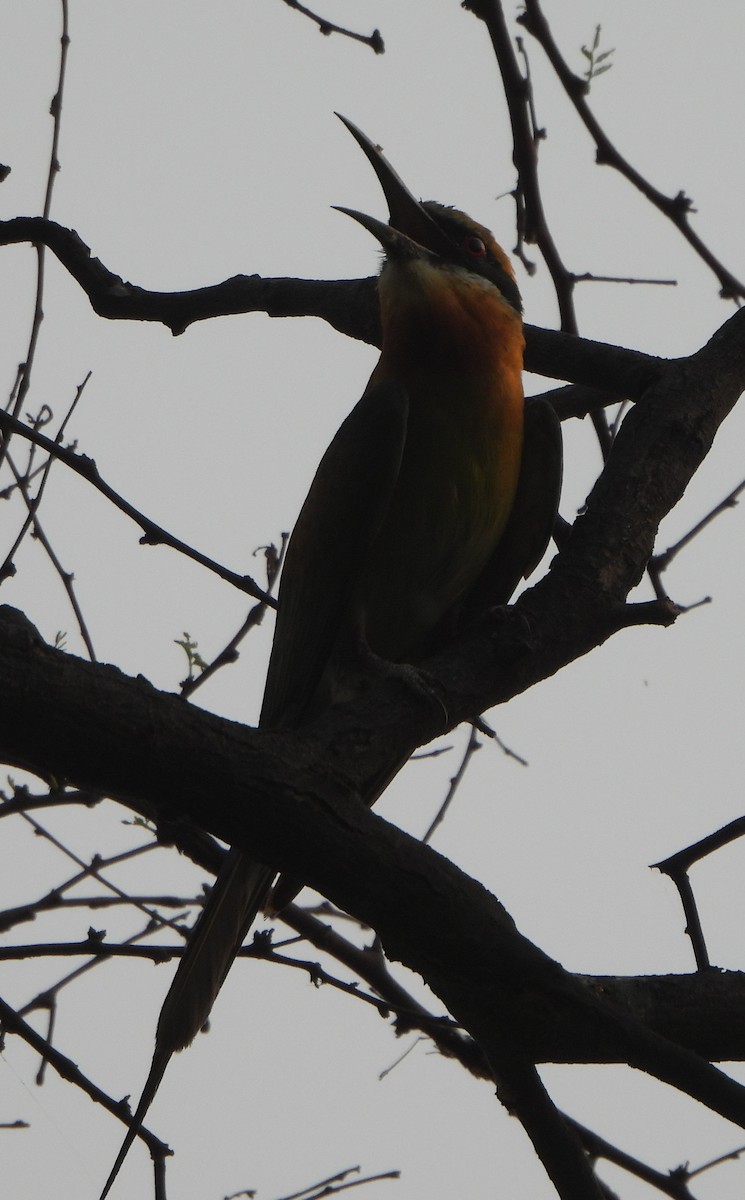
(198,142)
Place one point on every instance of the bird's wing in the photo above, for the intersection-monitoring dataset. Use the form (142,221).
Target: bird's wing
(531,521)
(518,552)
(345,506)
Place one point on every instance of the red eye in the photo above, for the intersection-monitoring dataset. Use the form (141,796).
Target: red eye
(475,246)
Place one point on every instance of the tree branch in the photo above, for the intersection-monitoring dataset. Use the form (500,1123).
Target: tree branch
(676,208)
(291,797)
(349,305)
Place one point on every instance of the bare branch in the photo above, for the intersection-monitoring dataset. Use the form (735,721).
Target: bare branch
(152,534)
(350,306)
(339,302)
(677,867)
(229,653)
(67,1069)
(374,40)
(472,746)
(676,208)
(55,109)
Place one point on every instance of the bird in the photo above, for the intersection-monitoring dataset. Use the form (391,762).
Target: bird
(436,496)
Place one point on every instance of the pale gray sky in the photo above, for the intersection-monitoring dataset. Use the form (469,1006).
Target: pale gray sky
(198,141)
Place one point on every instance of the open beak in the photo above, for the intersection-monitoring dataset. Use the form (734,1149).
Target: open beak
(407,215)
(396,245)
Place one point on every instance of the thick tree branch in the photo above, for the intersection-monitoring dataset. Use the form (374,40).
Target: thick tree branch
(574,608)
(350,306)
(291,797)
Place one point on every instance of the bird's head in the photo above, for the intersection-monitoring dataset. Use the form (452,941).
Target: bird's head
(446,237)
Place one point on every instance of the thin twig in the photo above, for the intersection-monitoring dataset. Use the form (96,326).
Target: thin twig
(374,40)
(337,1183)
(598,1147)
(23,801)
(152,534)
(676,867)
(97,865)
(32,522)
(472,746)
(33,504)
(676,208)
(730,1156)
(24,379)
(68,1070)
(229,653)
(591,277)
(370,964)
(520,104)
(662,561)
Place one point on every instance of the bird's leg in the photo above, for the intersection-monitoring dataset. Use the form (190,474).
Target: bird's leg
(359,668)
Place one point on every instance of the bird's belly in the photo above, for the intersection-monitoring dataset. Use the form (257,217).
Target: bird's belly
(449,508)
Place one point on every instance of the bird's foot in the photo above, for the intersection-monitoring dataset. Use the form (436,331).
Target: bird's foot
(417,680)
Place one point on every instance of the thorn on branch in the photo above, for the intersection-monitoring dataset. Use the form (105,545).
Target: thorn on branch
(683,204)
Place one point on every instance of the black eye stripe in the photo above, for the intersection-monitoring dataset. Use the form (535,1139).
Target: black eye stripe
(487,264)
(507,287)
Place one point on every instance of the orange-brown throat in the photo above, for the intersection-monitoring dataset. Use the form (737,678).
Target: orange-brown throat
(446,319)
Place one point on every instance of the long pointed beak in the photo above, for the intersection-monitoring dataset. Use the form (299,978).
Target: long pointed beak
(407,214)
(396,244)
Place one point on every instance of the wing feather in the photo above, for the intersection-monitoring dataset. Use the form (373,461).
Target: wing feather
(343,511)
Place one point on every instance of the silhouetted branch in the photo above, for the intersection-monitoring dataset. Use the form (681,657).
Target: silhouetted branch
(334,1184)
(23,381)
(339,302)
(152,534)
(677,867)
(350,306)
(676,208)
(11,1022)
(662,561)
(374,40)
(229,653)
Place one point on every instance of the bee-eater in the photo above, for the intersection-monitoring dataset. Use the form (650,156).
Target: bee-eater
(435,489)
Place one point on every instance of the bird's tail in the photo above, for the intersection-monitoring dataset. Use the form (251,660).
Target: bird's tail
(238,894)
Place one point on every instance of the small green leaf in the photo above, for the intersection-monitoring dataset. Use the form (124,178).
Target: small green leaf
(191,650)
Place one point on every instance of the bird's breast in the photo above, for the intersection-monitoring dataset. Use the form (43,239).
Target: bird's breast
(457,347)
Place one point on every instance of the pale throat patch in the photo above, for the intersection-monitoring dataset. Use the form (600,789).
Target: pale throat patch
(400,282)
